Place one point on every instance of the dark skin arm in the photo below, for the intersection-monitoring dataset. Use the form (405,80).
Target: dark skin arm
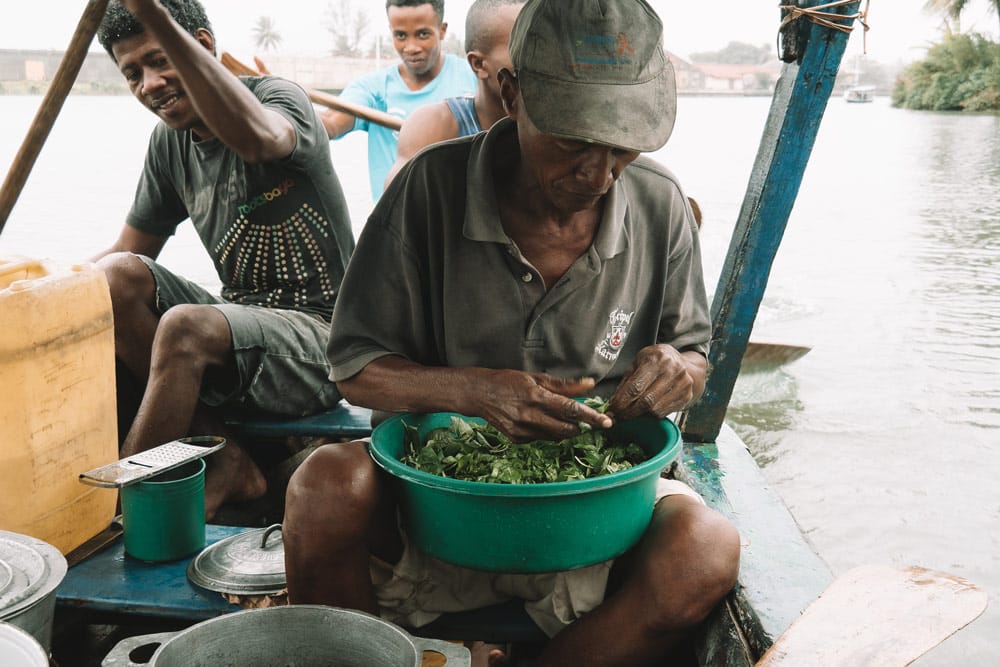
(226,107)
(523,405)
(134,240)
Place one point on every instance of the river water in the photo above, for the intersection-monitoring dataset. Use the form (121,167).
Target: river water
(883,440)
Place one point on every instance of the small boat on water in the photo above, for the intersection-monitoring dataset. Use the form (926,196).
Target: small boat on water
(860,94)
(780,574)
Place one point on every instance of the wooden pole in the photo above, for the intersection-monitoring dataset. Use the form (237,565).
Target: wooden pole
(796,111)
(52,103)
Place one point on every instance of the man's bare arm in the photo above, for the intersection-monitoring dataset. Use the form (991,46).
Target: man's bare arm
(523,405)
(134,240)
(337,123)
(227,107)
(427,125)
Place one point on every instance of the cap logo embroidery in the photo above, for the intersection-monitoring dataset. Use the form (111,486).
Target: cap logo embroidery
(623,44)
(603,50)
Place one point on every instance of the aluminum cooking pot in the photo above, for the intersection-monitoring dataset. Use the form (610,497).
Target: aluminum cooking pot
(294,635)
(30,571)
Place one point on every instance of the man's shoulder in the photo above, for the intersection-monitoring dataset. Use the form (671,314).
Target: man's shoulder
(645,169)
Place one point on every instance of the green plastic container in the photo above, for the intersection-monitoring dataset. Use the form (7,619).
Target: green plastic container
(523,528)
(164,516)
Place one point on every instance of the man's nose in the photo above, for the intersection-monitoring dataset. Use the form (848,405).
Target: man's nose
(151,80)
(595,168)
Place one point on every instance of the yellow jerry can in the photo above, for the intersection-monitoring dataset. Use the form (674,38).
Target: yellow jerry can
(57,400)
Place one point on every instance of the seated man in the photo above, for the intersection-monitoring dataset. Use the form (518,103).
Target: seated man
(517,269)
(487,33)
(248,161)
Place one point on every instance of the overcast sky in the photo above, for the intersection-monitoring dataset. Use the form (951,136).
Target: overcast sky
(900,29)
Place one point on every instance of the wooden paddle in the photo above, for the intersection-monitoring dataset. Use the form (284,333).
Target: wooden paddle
(878,615)
(321,98)
(771,354)
(52,103)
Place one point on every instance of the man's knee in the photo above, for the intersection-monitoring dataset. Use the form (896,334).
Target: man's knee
(129,279)
(337,479)
(196,332)
(698,569)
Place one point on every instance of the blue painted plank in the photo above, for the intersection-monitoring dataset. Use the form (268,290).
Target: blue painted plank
(799,102)
(345,420)
(113,582)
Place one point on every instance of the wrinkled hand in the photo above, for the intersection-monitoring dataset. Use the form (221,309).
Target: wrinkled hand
(528,406)
(660,381)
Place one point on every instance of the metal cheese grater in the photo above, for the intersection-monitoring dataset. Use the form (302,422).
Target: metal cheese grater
(152,462)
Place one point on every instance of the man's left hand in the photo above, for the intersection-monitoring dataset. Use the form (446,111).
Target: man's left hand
(660,381)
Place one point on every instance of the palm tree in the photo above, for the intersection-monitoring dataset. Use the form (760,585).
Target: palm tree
(266,36)
(952,10)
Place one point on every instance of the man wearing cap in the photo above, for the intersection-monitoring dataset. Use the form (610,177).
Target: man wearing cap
(500,276)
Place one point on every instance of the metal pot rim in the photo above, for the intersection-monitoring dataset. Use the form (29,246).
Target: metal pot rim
(36,565)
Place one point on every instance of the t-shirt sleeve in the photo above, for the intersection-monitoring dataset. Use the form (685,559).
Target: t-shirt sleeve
(364,91)
(380,309)
(685,322)
(292,102)
(157,207)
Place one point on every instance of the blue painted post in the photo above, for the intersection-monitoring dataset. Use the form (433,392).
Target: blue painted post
(797,108)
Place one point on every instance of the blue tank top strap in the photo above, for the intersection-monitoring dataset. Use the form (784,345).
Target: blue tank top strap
(464,110)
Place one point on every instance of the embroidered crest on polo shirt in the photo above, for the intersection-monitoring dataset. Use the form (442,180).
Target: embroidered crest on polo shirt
(619,323)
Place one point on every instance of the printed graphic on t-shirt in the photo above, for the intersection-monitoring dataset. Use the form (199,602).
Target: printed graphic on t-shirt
(273,250)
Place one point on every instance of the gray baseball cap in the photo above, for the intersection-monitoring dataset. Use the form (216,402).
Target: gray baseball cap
(595,70)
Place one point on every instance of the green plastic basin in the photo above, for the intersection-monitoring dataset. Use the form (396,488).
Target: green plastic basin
(522,528)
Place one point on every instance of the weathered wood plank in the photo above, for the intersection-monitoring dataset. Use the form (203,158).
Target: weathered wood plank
(796,111)
(780,573)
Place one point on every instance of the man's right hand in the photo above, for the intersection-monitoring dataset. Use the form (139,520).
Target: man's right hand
(529,406)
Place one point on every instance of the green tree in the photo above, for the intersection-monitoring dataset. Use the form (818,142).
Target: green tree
(952,10)
(265,34)
(960,74)
(347,23)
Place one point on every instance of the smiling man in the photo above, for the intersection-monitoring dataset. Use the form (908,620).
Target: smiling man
(426,74)
(248,162)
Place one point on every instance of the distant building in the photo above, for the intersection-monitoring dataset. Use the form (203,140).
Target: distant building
(722,78)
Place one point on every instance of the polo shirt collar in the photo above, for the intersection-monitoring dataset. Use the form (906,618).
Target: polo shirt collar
(482,213)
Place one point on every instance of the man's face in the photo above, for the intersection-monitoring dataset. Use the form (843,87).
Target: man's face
(571,175)
(154,82)
(417,37)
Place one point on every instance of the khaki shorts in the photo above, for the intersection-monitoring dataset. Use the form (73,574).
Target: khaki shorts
(419,588)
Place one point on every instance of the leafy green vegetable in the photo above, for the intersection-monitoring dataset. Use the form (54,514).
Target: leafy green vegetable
(481,453)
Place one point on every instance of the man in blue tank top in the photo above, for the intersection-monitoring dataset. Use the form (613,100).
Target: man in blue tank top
(426,74)
(487,34)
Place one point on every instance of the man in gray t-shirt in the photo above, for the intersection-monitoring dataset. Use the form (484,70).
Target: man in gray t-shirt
(500,276)
(248,162)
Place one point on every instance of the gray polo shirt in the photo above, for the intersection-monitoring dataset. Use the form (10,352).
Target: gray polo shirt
(436,280)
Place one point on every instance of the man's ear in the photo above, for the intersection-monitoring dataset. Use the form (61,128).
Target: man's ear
(509,91)
(444,29)
(206,39)
(476,60)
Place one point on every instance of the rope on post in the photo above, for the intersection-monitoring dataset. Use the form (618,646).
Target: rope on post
(820,16)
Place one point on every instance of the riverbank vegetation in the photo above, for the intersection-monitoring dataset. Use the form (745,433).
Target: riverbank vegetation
(960,74)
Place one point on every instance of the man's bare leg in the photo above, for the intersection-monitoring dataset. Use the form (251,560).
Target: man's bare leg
(686,563)
(338,511)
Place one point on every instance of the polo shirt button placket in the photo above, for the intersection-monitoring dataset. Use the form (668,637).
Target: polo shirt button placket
(526,277)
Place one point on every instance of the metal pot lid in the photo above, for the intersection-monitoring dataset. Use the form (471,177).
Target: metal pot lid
(30,569)
(250,563)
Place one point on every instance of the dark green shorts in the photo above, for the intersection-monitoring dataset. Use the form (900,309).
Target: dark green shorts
(280,354)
